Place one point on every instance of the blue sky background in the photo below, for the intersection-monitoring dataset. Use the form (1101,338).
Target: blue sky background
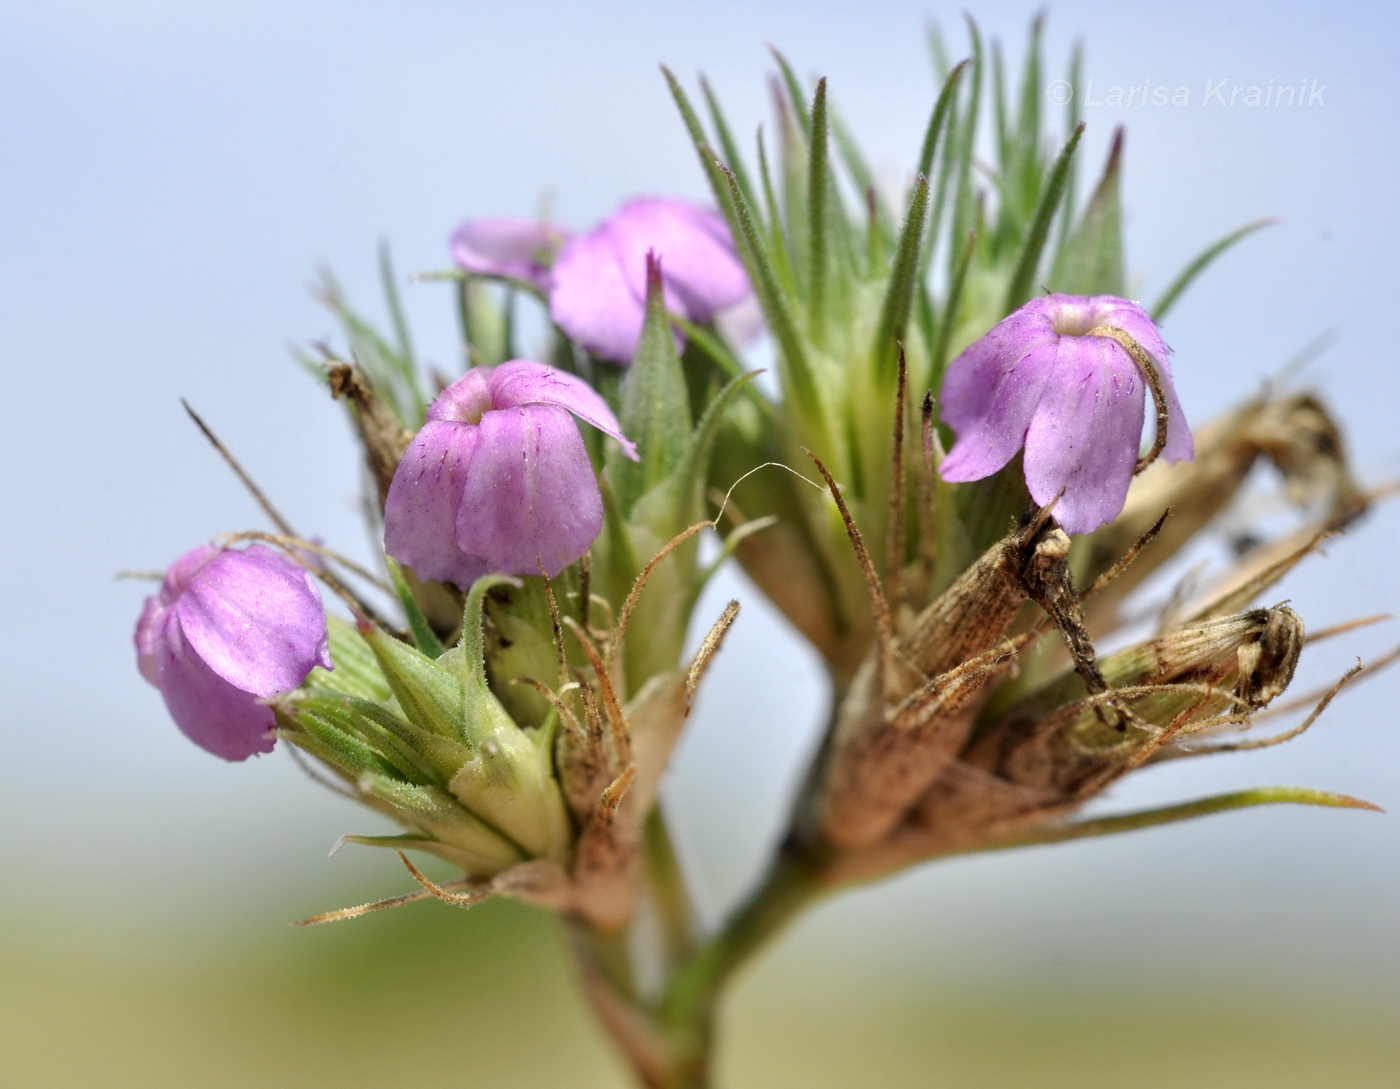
(172,177)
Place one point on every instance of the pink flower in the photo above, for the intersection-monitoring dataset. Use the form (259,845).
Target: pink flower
(598,287)
(1047,379)
(522,249)
(228,631)
(498,479)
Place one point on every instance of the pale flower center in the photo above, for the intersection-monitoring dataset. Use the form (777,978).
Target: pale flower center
(1075,321)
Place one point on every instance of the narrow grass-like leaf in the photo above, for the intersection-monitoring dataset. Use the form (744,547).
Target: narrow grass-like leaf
(1027,140)
(938,120)
(775,307)
(1000,109)
(937,51)
(727,143)
(904,279)
(726,362)
(949,319)
(1072,117)
(1196,267)
(961,161)
(402,337)
(1203,807)
(777,240)
(697,455)
(424,637)
(796,95)
(718,181)
(942,119)
(792,171)
(1090,259)
(861,174)
(818,228)
(1023,279)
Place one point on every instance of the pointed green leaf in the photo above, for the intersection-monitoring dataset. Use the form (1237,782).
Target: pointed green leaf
(1006,150)
(861,175)
(797,370)
(1076,80)
(904,279)
(1196,267)
(713,171)
(726,138)
(949,319)
(797,98)
(960,162)
(655,410)
(431,697)
(818,229)
(334,747)
(1023,279)
(424,638)
(777,241)
(403,341)
(1203,807)
(1090,261)
(938,120)
(1027,144)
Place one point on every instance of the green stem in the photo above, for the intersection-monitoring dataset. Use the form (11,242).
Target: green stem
(666,880)
(687,1007)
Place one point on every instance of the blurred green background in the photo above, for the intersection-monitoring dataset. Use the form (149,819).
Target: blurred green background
(172,176)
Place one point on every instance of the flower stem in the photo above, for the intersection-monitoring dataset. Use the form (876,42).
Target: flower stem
(687,1006)
(668,1044)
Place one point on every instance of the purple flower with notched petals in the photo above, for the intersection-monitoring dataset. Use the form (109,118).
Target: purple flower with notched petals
(598,287)
(522,249)
(1047,378)
(498,479)
(228,631)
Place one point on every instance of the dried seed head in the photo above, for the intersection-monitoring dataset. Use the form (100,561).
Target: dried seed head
(1295,433)
(1168,688)
(1050,754)
(911,709)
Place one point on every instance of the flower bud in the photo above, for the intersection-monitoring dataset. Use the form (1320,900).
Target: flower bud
(498,479)
(426,742)
(228,631)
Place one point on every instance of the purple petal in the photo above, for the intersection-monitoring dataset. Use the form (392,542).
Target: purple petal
(420,511)
(1085,434)
(183,570)
(531,498)
(593,300)
(212,713)
(1136,322)
(256,620)
(991,392)
(521,382)
(148,629)
(702,272)
(522,249)
(599,287)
